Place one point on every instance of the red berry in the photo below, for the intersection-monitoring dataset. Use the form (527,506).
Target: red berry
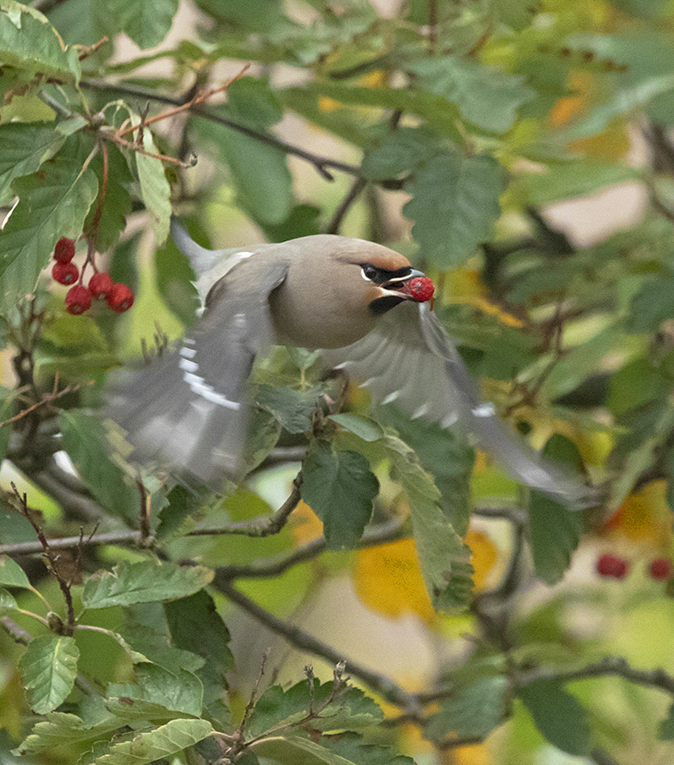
(65,273)
(120,298)
(78,299)
(660,568)
(611,565)
(100,285)
(64,251)
(422,289)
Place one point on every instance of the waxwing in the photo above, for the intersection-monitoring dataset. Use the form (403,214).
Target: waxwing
(347,297)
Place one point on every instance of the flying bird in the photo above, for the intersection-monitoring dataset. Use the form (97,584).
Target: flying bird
(361,304)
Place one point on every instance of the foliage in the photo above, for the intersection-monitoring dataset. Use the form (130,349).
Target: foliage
(121,591)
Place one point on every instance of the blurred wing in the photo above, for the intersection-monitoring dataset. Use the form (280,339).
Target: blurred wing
(187,410)
(410,360)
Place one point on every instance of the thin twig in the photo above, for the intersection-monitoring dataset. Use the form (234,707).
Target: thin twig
(17,633)
(320,163)
(344,206)
(301,640)
(64,543)
(46,400)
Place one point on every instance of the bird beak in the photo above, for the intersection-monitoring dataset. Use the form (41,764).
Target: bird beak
(402,286)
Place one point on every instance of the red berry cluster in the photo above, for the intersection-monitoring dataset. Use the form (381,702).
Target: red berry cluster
(609,565)
(101,287)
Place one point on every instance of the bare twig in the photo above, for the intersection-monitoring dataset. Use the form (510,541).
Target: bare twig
(301,640)
(345,205)
(50,559)
(45,400)
(17,633)
(64,543)
(320,163)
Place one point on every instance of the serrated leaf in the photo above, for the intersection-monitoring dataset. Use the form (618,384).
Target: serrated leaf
(61,729)
(363,427)
(116,202)
(444,558)
(143,582)
(157,695)
(23,148)
(154,189)
(7,601)
(29,42)
(554,531)
(49,669)
(11,574)
(292,408)
(147,22)
(52,203)
(455,202)
(165,741)
(400,152)
(486,97)
(85,440)
(473,711)
(260,172)
(340,488)
(557,715)
(343,749)
(277,708)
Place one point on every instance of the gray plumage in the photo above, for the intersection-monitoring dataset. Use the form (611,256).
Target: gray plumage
(187,410)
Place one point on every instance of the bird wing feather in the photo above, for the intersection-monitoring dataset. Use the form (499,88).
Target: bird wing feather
(410,360)
(187,409)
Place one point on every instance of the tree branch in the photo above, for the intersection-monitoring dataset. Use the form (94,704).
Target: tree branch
(301,640)
(320,163)
(345,205)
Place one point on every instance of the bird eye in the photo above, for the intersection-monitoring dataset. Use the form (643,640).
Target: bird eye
(369,271)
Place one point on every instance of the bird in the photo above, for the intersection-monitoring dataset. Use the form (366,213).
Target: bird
(361,304)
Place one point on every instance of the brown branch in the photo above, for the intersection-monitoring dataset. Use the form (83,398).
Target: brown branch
(50,559)
(320,163)
(301,640)
(345,205)
(64,543)
(46,400)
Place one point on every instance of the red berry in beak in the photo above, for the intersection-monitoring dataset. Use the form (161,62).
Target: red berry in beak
(421,289)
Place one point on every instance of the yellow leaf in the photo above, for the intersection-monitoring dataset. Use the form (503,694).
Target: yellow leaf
(306,525)
(388,580)
(484,557)
(644,517)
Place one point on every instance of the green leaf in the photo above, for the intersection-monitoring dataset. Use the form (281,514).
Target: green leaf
(444,559)
(557,715)
(342,749)
(292,408)
(455,203)
(666,730)
(175,280)
(259,172)
(197,614)
(363,427)
(652,304)
(23,148)
(49,669)
(472,711)
(11,574)
(28,42)
(147,22)
(445,455)
(158,695)
(154,189)
(84,438)
(7,602)
(165,741)
(347,708)
(53,203)
(400,152)
(61,729)
(486,97)
(340,488)
(251,16)
(116,202)
(143,582)
(554,531)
